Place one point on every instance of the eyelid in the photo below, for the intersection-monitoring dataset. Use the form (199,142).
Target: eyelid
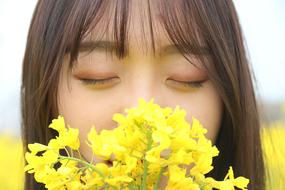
(102,81)
(99,81)
(189,84)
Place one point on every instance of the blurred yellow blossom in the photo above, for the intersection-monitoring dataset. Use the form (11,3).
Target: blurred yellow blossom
(273,141)
(11,162)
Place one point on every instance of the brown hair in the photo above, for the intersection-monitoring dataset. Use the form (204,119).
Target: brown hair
(58,27)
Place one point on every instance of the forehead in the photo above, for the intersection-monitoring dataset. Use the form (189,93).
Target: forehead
(142,25)
(157,28)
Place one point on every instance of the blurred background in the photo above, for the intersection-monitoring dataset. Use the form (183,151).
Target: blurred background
(263,23)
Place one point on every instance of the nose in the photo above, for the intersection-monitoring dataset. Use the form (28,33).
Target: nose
(143,80)
(144,91)
(146,88)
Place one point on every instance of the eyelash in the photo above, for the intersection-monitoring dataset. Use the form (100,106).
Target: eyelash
(193,84)
(95,81)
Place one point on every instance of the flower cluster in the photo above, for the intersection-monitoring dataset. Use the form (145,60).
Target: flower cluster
(149,144)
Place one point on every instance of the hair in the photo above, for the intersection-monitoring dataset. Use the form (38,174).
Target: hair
(58,27)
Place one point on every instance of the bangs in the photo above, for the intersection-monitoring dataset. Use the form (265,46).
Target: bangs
(179,22)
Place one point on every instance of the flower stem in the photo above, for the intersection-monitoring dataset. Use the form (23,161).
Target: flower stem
(91,166)
(66,151)
(158,179)
(145,163)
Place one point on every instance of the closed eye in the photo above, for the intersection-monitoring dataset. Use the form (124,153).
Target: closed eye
(187,84)
(195,84)
(100,82)
(110,81)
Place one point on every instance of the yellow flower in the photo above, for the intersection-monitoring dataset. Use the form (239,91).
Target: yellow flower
(197,130)
(58,125)
(67,136)
(180,157)
(36,147)
(178,179)
(38,163)
(148,143)
(239,182)
(104,144)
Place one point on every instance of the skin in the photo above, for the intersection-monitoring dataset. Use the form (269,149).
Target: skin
(140,75)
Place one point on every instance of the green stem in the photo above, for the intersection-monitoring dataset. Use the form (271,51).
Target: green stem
(91,166)
(158,179)
(92,158)
(79,154)
(66,151)
(145,162)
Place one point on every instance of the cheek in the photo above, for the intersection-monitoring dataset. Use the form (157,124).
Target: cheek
(210,117)
(83,110)
(207,107)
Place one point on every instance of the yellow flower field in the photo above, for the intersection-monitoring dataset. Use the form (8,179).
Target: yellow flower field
(273,139)
(11,162)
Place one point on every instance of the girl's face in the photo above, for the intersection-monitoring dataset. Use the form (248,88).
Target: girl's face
(164,77)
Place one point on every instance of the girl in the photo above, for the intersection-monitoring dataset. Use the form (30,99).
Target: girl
(89,59)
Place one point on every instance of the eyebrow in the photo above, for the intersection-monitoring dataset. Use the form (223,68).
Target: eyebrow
(170,49)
